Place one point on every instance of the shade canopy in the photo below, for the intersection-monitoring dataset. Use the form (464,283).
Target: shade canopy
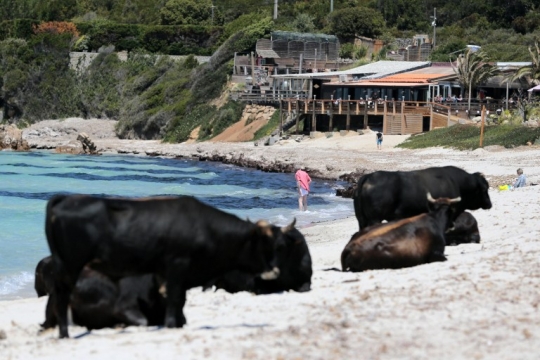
(536,88)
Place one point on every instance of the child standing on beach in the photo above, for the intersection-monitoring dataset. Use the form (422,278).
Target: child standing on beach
(379,140)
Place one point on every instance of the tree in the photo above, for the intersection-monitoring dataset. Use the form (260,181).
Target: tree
(303,23)
(358,21)
(57,27)
(473,68)
(530,73)
(188,12)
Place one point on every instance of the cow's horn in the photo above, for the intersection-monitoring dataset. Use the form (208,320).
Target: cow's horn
(265,227)
(289,227)
(163,290)
(454,200)
(430,198)
(270,275)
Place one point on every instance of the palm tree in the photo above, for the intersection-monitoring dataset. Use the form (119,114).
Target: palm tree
(530,73)
(473,68)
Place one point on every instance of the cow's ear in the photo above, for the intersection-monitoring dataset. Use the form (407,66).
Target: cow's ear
(264,227)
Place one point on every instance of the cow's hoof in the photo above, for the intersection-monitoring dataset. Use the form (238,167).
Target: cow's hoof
(172,323)
(305,287)
(437,256)
(133,317)
(46,326)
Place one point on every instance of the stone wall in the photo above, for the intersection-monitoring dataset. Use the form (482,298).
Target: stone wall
(81,60)
(257,112)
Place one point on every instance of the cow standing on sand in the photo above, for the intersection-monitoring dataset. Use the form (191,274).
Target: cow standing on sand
(294,263)
(97,302)
(180,239)
(394,195)
(401,243)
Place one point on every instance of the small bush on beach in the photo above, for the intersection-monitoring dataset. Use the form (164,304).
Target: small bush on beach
(268,128)
(467,137)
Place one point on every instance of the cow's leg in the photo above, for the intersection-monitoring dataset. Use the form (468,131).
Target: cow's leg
(61,307)
(50,316)
(128,311)
(174,316)
(126,306)
(63,286)
(176,293)
(437,251)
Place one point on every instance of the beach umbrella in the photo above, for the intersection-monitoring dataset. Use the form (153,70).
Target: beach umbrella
(536,88)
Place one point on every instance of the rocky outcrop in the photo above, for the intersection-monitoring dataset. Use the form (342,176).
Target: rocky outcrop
(11,138)
(73,147)
(351,178)
(83,145)
(87,144)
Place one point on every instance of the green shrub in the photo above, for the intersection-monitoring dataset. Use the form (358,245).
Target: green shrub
(156,93)
(17,28)
(161,39)
(183,126)
(267,129)
(227,115)
(467,137)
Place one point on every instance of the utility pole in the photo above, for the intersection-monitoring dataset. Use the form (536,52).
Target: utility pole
(212,7)
(434,24)
(275,9)
(331,5)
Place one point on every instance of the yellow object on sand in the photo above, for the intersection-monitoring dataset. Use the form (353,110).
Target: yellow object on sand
(503,187)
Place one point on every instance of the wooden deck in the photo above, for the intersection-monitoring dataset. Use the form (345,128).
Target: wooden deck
(399,117)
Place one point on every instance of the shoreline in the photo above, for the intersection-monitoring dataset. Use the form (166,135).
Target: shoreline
(340,156)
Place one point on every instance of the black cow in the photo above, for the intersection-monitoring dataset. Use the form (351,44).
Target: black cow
(182,240)
(294,263)
(98,302)
(401,243)
(394,195)
(464,231)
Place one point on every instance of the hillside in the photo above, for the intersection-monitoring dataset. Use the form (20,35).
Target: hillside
(155,97)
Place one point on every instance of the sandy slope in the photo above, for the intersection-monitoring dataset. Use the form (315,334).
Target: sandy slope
(483,303)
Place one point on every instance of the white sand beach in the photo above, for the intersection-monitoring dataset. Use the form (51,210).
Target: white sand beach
(483,303)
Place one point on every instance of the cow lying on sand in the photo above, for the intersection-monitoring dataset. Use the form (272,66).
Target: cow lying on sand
(464,231)
(98,302)
(401,243)
(294,263)
(182,240)
(394,195)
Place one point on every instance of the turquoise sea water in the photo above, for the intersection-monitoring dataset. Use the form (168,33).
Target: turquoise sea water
(28,180)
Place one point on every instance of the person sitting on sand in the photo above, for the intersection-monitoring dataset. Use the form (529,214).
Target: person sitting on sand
(521,181)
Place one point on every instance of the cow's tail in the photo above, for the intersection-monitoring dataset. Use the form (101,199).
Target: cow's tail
(359,211)
(49,220)
(332,269)
(51,227)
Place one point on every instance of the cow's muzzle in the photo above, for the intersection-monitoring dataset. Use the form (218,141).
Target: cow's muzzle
(270,275)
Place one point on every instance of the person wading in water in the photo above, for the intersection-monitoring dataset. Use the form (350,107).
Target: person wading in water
(302,182)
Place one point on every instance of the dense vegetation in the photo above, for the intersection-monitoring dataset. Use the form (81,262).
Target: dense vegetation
(155,97)
(467,137)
